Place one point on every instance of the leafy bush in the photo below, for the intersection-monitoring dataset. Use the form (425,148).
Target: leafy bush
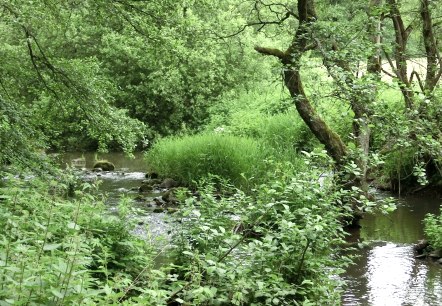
(433,230)
(191,158)
(276,246)
(56,251)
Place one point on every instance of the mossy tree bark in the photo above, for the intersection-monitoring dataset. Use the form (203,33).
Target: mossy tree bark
(291,61)
(434,65)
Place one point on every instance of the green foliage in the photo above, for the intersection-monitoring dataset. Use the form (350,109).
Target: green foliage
(433,230)
(283,132)
(56,251)
(83,77)
(67,99)
(19,140)
(226,247)
(188,159)
(266,114)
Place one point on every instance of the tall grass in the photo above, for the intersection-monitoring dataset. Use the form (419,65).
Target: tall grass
(188,159)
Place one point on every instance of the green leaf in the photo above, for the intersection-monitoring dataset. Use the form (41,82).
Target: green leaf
(50,247)
(57,293)
(73,225)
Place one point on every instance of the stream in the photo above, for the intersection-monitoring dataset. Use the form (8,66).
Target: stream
(123,182)
(384,273)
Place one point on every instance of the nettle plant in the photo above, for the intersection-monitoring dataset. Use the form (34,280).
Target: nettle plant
(58,251)
(278,245)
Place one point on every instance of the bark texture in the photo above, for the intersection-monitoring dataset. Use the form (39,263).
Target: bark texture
(291,60)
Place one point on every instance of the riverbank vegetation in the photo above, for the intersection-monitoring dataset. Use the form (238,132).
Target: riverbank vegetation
(282,115)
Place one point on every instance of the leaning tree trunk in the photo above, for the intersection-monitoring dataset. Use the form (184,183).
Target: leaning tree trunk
(291,60)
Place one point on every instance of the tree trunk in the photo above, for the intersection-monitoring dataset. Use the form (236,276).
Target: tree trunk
(434,68)
(401,34)
(374,30)
(291,60)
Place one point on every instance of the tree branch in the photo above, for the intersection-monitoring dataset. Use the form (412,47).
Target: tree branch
(271,51)
(418,78)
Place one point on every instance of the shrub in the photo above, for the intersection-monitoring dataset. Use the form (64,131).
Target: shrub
(276,246)
(433,230)
(190,158)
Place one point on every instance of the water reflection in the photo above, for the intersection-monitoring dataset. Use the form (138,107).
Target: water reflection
(386,273)
(390,274)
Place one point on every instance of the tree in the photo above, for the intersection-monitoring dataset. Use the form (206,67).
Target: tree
(291,61)
(342,48)
(65,97)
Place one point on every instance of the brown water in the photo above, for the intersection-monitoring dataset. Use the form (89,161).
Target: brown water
(386,273)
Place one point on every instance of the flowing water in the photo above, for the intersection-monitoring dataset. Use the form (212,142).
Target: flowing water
(123,182)
(386,273)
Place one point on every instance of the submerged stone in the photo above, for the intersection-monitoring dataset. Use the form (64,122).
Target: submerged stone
(104,165)
(145,188)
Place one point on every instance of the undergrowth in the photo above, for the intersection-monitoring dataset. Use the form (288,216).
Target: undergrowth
(58,251)
(278,245)
(433,230)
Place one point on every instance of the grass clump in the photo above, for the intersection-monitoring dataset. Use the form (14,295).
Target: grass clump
(188,159)
(285,132)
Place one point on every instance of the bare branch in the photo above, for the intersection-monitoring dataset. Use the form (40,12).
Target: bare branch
(415,74)
(261,22)
(388,73)
(390,62)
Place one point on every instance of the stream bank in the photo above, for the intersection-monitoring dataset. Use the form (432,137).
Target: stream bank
(385,273)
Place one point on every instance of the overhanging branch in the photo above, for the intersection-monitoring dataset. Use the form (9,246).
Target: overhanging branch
(271,51)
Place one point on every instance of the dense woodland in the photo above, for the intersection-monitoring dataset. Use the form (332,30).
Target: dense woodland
(282,115)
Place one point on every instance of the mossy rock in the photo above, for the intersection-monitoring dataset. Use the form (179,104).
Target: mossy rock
(104,165)
(152,175)
(145,187)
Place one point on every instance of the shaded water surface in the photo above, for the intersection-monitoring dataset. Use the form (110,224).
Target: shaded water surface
(386,273)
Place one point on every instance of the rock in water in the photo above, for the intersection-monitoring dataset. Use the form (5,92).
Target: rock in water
(169,183)
(145,187)
(151,175)
(104,165)
(421,246)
